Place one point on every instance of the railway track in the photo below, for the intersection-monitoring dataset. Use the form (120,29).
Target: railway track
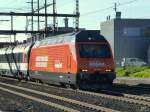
(135,97)
(118,96)
(39,100)
(122,102)
(133,87)
(136,90)
(137,87)
(20,92)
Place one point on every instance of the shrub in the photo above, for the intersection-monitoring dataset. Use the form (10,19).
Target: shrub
(143,74)
(133,71)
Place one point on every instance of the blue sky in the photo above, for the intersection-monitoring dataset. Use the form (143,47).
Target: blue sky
(136,9)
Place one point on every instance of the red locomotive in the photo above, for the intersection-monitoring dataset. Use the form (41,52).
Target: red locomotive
(79,59)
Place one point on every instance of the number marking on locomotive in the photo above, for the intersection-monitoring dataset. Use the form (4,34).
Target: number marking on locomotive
(41,61)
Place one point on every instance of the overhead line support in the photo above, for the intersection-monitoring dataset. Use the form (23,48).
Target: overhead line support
(35,14)
(38,9)
(45,16)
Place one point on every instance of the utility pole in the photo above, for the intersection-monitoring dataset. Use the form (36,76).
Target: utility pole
(77,13)
(12,26)
(27,23)
(32,15)
(12,22)
(115,7)
(38,7)
(36,13)
(45,16)
(14,38)
(54,17)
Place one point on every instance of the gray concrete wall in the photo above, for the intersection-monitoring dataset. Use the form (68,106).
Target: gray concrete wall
(148,55)
(131,46)
(127,38)
(107,30)
(134,47)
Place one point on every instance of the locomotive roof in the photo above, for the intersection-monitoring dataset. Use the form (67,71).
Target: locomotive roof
(90,36)
(80,36)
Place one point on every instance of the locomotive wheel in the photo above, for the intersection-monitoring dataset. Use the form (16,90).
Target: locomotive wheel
(68,86)
(75,86)
(72,86)
(20,76)
(1,74)
(27,78)
(80,82)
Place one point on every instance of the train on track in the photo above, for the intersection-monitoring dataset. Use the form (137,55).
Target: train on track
(80,59)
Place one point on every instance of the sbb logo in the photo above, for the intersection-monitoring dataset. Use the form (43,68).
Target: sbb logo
(96,64)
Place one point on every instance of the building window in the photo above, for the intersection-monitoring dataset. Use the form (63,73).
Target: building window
(147,31)
(132,32)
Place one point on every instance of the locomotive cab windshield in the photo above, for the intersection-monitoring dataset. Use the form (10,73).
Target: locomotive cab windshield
(94,51)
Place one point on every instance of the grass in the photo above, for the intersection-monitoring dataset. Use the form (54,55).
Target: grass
(132,71)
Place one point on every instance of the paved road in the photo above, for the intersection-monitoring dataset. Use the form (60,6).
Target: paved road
(134,81)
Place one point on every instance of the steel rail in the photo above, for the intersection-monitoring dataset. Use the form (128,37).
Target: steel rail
(39,100)
(136,97)
(125,98)
(83,104)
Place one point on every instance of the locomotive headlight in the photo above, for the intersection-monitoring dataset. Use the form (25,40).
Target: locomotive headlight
(109,70)
(84,70)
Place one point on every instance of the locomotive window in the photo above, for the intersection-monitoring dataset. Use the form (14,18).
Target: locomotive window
(94,51)
(0,58)
(9,58)
(19,57)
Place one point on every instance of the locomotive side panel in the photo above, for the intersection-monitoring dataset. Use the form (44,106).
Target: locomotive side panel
(53,63)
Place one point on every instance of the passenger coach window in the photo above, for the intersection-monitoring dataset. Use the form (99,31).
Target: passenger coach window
(94,51)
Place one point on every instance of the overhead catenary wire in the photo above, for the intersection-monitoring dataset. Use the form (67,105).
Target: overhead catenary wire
(96,11)
(15,5)
(128,2)
(108,8)
(88,13)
